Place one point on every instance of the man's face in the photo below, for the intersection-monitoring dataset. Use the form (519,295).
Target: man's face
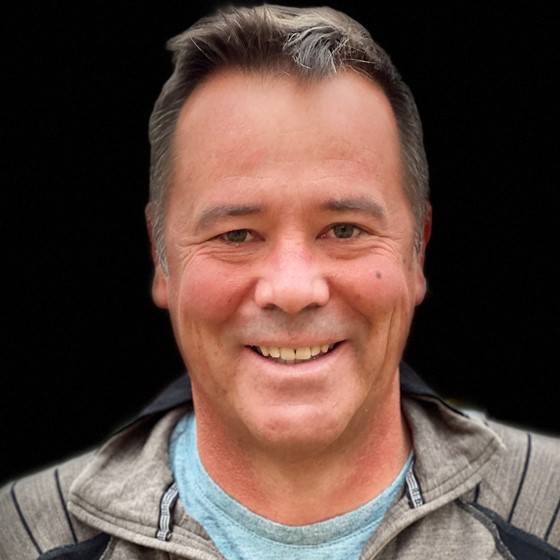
(292,271)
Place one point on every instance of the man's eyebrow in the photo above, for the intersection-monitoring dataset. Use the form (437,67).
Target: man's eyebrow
(214,213)
(364,205)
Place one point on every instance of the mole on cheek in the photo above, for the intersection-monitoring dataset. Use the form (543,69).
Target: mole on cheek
(378,274)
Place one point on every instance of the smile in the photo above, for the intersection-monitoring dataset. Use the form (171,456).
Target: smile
(293,355)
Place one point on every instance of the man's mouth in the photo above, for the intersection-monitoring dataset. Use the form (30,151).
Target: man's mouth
(293,355)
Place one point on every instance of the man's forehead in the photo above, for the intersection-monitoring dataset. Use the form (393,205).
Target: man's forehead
(231,108)
(232,85)
(241,134)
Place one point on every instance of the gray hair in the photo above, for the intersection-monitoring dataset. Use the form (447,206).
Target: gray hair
(308,43)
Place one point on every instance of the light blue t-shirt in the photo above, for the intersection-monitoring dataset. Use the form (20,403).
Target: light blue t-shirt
(240,534)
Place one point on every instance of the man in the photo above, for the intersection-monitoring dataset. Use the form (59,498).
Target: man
(289,218)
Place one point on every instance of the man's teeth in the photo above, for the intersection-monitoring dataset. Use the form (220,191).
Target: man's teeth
(294,354)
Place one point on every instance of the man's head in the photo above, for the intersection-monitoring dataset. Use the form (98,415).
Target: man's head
(307,43)
(292,232)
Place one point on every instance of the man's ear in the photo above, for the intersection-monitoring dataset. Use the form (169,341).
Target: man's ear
(159,282)
(427,233)
(421,282)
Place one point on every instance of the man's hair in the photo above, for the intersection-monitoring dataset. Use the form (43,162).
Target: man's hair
(307,43)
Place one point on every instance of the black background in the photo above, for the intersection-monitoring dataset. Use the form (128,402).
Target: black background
(83,347)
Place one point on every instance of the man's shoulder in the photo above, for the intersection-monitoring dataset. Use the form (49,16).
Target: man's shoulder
(545,447)
(529,456)
(523,486)
(35,518)
(515,490)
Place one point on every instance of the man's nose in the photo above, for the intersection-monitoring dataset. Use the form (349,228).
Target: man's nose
(292,280)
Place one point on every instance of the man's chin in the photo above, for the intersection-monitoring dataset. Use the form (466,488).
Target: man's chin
(301,430)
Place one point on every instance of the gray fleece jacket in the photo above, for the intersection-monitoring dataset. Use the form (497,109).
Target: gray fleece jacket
(478,490)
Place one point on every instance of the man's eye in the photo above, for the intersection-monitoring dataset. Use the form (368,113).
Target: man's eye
(237,236)
(345,231)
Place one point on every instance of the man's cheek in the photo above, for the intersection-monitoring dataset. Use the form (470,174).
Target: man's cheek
(208,296)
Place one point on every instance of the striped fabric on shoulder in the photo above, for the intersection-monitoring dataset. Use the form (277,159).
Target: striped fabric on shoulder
(34,515)
(524,487)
